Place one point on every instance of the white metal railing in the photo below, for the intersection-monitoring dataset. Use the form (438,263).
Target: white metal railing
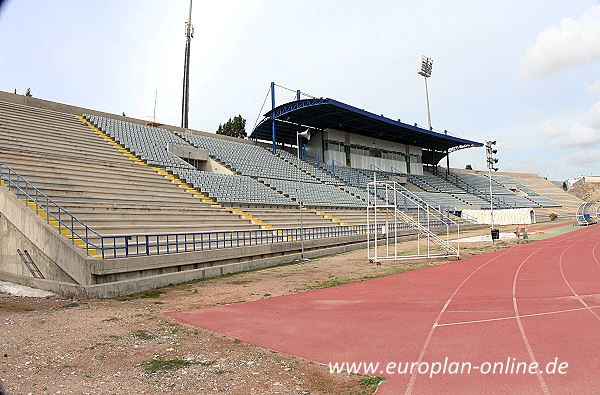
(386,218)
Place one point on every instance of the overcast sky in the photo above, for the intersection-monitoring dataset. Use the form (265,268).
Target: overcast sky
(525,73)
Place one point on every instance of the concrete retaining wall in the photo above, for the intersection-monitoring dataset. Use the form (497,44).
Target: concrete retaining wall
(21,228)
(514,216)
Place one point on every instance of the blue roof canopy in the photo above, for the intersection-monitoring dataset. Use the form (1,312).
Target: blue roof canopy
(326,113)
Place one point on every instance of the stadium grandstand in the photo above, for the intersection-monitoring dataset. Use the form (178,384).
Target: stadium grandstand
(96,204)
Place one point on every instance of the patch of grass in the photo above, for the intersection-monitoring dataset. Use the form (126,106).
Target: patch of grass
(113,337)
(152,294)
(332,282)
(158,364)
(266,295)
(157,302)
(15,309)
(143,335)
(370,383)
(111,319)
(142,295)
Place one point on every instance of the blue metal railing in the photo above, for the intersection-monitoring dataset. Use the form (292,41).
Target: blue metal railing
(168,243)
(77,231)
(122,246)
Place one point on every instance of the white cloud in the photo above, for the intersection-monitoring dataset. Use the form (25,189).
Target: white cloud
(585,157)
(593,88)
(580,134)
(572,42)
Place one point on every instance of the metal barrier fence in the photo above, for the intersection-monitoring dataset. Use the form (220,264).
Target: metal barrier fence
(169,243)
(66,223)
(122,246)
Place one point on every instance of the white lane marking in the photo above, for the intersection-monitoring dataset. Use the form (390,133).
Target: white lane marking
(413,376)
(520,323)
(579,298)
(513,317)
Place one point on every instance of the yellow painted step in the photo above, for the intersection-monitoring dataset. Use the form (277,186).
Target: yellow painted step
(62,229)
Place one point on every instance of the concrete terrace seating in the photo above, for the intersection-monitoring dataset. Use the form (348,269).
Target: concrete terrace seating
(289,217)
(315,194)
(248,159)
(354,177)
(532,195)
(442,200)
(543,201)
(314,171)
(84,174)
(482,183)
(147,142)
(509,182)
(257,162)
(474,201)
(232,188)
(546,189)
(433,183)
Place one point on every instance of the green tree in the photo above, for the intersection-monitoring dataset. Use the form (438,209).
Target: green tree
(234,127)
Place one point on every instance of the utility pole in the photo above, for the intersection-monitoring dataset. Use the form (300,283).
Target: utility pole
(491,164)
(185,100)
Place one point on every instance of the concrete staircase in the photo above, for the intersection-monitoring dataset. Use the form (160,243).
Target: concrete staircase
(101,186)
(289,217)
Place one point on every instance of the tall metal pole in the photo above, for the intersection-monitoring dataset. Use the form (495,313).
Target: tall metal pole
(185,100)
(427,97)
(447,158)
(491,163)
(154,113)
(491,201)
(273,132)
(300,196)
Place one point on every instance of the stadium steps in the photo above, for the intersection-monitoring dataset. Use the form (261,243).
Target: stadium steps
(289,217)
(545,188)
(80,171)
(349,217)
(173,178)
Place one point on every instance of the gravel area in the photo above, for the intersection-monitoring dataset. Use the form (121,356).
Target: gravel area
(129,346)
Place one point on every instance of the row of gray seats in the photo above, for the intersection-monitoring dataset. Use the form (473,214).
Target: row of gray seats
(509,182)
(248,159)
(147,142)
(232,188)
(314,171)
(315,194)
(433,183)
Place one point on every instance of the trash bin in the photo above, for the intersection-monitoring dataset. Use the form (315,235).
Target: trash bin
(495,234)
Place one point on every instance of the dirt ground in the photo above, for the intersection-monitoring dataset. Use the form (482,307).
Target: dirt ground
(128,346)
(588,192)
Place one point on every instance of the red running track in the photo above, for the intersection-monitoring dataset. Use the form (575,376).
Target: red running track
(534,302)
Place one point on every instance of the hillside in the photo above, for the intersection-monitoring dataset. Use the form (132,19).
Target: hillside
(588,192)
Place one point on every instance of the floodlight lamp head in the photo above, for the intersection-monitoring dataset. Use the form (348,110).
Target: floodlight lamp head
(426,67)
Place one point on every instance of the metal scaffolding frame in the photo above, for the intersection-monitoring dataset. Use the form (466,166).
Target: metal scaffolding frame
(385,222)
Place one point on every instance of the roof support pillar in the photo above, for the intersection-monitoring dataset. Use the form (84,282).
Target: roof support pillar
(273,131)
(447,157)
